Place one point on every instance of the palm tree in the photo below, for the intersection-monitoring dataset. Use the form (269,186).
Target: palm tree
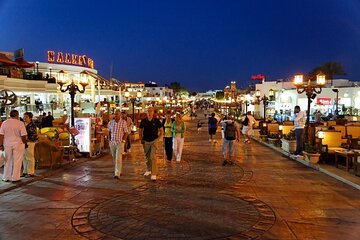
(330,69)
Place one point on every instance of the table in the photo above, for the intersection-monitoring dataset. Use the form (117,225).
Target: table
(69,152)
(349,156)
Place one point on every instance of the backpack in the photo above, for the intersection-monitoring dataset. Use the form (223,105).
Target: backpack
(246,121)
(230,130)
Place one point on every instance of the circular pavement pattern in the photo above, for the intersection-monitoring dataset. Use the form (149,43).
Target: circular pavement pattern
(189,215)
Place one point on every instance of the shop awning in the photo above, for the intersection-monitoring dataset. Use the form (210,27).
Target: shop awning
(7,61)
(23,63)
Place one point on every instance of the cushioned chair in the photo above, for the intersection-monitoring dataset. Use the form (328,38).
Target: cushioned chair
(332,142)
(273,128)
(47,154)
(47,129)
(354,131)
(342,129)
(286,129)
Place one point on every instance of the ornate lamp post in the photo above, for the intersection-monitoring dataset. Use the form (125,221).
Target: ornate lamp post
(310,88)
(133,99)
(72,88)
(264,99)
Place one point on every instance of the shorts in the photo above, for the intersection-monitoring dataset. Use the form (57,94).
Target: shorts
(212,131)
(246,130)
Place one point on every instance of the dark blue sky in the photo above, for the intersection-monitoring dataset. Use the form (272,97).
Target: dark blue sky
(202,44)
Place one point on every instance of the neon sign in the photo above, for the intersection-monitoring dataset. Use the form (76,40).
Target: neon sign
(67,58)
(258,76)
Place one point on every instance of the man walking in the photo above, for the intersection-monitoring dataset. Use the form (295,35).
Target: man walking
(230,134)
(212,126)
(299,124)
(150,131)
(129,122)
(118,132)
(12,141)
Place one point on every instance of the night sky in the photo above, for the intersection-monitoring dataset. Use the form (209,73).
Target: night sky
(201,44)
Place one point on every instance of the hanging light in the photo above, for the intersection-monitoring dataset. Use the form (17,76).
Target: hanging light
(298,79)
(257,93)
(84,78)
(139,94)
(62,78)
(271,93)
(320,79)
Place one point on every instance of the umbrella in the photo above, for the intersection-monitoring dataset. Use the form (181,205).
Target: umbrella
(23,63)
(7,61)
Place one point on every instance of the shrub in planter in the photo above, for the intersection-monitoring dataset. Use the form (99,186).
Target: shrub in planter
(311,153)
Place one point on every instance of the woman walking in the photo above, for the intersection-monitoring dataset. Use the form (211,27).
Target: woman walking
(168,137)
(178,129)
(29,156)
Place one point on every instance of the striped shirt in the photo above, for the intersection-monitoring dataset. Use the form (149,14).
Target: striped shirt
(117,130)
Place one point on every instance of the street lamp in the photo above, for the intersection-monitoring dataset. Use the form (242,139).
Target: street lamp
(72,88)
(50,68)
(310,88)
(337,100)
(133,99)
(264,99)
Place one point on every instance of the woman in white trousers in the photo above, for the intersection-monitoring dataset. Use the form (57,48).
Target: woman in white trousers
(178,129)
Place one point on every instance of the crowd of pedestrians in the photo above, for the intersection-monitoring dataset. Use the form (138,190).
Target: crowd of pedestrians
(18,139)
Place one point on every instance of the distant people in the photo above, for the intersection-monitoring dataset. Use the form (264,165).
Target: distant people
(43,119)
(118,131)
(199,126)
(168,136)
(318,117)
(178,129)
(299,124)
(29,156)
(247,126)
(212,126)
(129,122)
(12,141)
(150,132)
(230,134)
(49,120)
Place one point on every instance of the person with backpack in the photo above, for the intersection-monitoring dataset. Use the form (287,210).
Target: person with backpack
(212,125)
(247,122)
(230,134)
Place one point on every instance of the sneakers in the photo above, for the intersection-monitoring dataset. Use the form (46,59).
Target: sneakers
(215,141)
(224,162)
(209,140)
(129,150)
(153,177)
(147,173)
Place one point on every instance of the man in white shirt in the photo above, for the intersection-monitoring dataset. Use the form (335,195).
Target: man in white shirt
(299,124)
(12,141)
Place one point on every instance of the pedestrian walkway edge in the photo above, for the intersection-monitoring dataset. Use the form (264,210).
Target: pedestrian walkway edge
(311,165)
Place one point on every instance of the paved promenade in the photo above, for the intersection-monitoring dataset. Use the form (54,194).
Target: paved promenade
(263,196)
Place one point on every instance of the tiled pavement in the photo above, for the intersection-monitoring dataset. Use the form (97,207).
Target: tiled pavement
(263,196)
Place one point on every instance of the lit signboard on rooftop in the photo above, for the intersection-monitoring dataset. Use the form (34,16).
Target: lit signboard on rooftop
(72,59)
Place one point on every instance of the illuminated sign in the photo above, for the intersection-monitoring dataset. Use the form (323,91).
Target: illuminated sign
(323,101)
(67,58)
(259,76)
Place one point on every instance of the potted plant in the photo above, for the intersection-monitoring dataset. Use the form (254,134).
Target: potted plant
(288,142)
(311,153)
(273,139)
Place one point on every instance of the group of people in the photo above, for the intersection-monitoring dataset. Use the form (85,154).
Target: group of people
(151,129)
(230,132)
(17,140)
